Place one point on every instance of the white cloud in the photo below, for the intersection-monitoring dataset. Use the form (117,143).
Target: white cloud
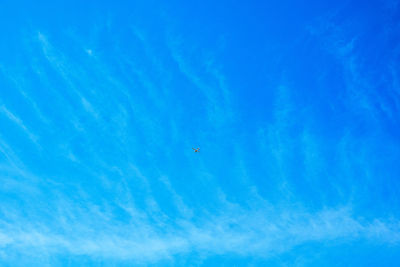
(241,232)
(19,122)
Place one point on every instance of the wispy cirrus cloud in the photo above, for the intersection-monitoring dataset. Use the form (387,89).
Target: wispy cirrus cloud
(248,233)
(113,197)
(370,94)
(73,74)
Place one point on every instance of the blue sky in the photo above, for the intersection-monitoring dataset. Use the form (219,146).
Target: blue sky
(295,106)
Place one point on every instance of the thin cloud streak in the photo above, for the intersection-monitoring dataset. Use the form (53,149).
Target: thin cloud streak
(218,100)
(11,116)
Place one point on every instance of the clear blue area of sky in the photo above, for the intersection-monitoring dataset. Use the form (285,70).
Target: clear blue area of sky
(295,106)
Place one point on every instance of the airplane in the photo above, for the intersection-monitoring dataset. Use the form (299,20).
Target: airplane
(196,150)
